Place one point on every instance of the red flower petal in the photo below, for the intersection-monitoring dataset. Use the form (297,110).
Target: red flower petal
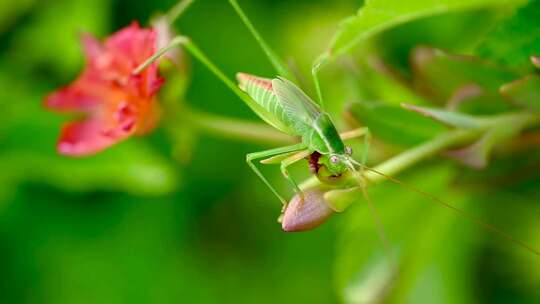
(70,99)
(116,102)
(92,47)
(87,137)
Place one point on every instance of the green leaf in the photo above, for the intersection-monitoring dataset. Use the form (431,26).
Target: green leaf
(10,10)
(130,168)
(477,154)
(395,124)
(462,82)
(453,119)
(421,247)
(51,38)
(455,32)
(516,39)
(378,15)
(524,92)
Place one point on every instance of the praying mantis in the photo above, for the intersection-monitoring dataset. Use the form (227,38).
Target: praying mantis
(283,105)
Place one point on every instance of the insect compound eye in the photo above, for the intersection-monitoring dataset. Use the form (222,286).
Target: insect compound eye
(334,159)
(348,150)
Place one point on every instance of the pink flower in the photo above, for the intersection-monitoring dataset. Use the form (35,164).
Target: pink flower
(114,102)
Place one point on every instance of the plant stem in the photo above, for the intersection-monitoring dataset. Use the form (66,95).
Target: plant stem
(177,41)
(438,144)
(237,129)
(410,157)
(176,11)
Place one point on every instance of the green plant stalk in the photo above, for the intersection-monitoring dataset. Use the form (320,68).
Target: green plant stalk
(424,151)
(176,11)
(410,157)
(236,129)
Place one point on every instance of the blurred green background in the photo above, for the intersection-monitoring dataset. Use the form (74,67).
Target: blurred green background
(144,223)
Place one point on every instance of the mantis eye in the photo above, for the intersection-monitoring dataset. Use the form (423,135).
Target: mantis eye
(334,159)
(348,151)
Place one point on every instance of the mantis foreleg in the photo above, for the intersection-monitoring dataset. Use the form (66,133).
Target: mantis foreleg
(268,153)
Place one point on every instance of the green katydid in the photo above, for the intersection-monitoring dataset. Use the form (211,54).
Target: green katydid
(283,105)
(291,111)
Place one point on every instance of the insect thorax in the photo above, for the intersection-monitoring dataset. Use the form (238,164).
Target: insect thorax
(323,136)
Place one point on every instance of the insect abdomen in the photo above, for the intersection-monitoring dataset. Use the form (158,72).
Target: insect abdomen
(260,90)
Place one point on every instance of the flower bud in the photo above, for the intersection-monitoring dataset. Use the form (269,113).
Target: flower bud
(306,213)
(535,61)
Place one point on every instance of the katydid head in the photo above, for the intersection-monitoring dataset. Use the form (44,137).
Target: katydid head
(333,165)
(336,164)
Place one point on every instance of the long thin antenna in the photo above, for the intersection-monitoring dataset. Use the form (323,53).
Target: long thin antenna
(463,213)
(278,64)
(380,230)
(375,214)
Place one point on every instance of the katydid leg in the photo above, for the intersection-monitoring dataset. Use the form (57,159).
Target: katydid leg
(289,161)
(269,153)
(354,133)
(277,159)
(364,131)
(278,64)
(317,65)
(365,150)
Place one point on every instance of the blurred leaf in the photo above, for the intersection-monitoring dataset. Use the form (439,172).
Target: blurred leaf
(442,77)
(477,154)
(378,15)
(51,38)
(421,247)
(132,168)
(524,92)
(516,39)
(395,124)
(374,79)
(453,119)
(456,32)
(10,10)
